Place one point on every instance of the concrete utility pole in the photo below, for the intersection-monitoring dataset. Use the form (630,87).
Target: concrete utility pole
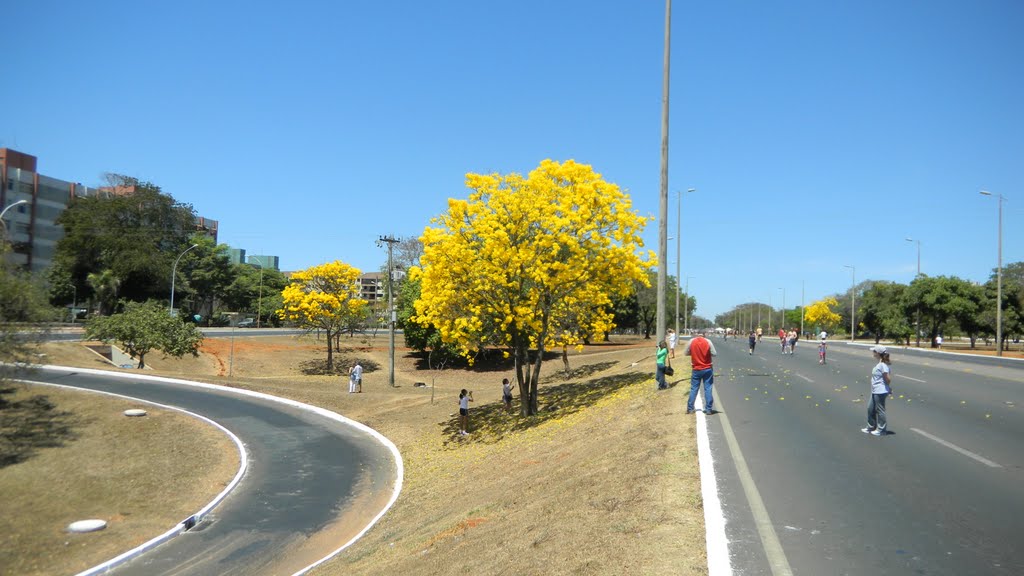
(999,278)
(663,196)
(391,241)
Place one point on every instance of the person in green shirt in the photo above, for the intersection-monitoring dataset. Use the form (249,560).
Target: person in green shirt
(659,374)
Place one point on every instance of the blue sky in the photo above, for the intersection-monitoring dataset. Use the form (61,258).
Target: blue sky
(817,134)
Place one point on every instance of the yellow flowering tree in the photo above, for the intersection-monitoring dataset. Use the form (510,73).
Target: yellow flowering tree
(529,264)
(820,314)
(324,297)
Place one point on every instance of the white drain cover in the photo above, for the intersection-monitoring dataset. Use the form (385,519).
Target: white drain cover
(135,412)
(87,525)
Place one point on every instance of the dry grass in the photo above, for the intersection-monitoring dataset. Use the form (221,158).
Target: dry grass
(604,481)
(119,469)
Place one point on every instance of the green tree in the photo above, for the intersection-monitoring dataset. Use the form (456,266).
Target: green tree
(144,327)
(204,275)
(884,311)
(105,285)
(135,235)
(943,300)
(23,300)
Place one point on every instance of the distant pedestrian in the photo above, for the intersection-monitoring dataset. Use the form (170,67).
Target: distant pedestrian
(938,341)
(881,379)
(506,393)
(782,339)
(355,378)
(672,338)
(700,350)
(759,334)
(465,398)
(752,341)
(793,336)
(659,365)
(822,349)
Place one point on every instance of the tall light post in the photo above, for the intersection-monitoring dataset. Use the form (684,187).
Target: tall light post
(259,304)
(4,212)
(679,254)
(803,284)
(917,315)
(999,278)
(174,270)
(783,323)
(686,306)
(663,191)
(853,300)
(391,241)
(771,312)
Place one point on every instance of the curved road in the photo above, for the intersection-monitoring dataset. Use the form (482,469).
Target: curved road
(941,495)
(312,484)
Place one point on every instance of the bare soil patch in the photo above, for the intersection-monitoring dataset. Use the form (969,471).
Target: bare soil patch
(604,481)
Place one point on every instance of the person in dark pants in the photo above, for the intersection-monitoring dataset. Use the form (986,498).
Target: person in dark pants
(659,373)
(752,339)
(881,378)
(700,350)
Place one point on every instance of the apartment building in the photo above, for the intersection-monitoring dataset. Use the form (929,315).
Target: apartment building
(31,224)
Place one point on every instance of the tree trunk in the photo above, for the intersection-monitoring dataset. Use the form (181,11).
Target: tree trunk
(142,361)
(330,352)
(565,360)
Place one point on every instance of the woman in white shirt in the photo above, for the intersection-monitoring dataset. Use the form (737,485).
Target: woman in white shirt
(881,379)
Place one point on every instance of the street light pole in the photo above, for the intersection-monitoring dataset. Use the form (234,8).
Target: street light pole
(686,306)
(853,300)
(4,212)
(391,241)
(174,270)
(783,323)
(999,278)
(917,315)
(679,254)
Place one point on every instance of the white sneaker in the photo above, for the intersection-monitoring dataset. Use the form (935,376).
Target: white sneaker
(867,431)
(877,432)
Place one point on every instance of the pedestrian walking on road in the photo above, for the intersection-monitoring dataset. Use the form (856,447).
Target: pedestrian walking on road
(753,341)
(700,350)
(822,349)
(881,379)
(659,365)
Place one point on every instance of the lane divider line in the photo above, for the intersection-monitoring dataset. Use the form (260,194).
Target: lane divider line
(956,448)
(804,377)
(769,538)
(914,379)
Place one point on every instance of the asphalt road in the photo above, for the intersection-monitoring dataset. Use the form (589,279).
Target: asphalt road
(942,495)
(305,471)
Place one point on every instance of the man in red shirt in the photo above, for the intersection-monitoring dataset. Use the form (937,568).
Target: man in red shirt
(700,350)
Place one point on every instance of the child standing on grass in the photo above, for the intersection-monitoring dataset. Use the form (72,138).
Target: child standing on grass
(506,394)
(464,399)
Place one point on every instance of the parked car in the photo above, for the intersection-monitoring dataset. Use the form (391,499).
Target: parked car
(247,323)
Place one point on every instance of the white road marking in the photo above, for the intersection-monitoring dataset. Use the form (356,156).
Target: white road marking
(766,530)
(804,377)
(914,379)
(714,518)
(963,451)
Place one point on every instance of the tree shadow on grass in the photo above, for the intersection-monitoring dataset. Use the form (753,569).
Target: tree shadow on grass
(30,424)
(490,423)
(342,363)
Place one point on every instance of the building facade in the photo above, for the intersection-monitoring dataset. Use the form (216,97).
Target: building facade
(31,226)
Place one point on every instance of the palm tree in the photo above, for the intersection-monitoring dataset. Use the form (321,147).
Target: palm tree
(104,285)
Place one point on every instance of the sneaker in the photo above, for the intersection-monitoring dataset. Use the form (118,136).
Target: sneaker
(710,412)
(868,431)
(877,432)
(689,410)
